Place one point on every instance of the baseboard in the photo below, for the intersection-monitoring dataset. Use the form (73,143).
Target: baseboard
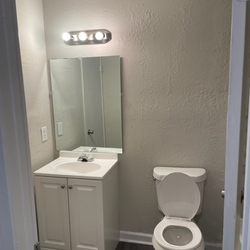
(139,238)
(210,246)
(146,239)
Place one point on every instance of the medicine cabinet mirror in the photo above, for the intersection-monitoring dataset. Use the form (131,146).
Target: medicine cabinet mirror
(86,94)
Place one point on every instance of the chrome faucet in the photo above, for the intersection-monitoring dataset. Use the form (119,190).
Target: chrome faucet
(85,158)
(93,149)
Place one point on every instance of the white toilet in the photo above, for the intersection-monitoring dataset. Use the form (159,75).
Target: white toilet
(179,194)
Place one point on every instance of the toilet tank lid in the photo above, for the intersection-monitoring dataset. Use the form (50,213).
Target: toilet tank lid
(198,174)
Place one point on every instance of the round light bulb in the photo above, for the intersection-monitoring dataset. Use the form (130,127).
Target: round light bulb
(82,36)
(66,36)
(99,35)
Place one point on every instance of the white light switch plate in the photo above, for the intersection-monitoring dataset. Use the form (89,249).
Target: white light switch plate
(59,128)
(44,134)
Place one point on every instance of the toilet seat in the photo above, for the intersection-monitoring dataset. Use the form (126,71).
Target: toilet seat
(179,200)
(166,222)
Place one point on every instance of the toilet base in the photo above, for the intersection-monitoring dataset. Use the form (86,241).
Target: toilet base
(158,247)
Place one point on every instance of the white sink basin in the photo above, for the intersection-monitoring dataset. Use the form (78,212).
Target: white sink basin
(68,166)
(77,167)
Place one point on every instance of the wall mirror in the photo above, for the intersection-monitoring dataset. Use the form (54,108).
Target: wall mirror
(86,95)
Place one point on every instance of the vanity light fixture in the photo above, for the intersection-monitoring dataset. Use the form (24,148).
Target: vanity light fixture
(82,36)
(85,37)
(66,36)
(99,35)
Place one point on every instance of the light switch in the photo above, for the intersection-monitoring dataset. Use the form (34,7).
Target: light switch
(44,134)
(59,128)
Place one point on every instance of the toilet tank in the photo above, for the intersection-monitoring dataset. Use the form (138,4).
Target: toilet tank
(197,174)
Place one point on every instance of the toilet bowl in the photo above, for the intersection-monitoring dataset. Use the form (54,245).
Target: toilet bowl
(175,234)
(179,198)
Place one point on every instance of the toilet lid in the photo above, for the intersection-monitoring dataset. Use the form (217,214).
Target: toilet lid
(179,196)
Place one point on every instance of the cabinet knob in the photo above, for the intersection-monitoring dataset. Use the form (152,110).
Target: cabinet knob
(70,187)
(62,186)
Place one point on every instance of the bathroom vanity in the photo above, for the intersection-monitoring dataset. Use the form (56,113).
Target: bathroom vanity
(77,203)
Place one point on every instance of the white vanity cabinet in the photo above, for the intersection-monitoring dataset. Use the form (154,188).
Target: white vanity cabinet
(52,212)
(77,213)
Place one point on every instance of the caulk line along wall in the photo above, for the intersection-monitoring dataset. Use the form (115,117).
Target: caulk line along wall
(175,61)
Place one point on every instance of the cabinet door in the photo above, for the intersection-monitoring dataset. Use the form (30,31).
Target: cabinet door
(86,214)
(53,212)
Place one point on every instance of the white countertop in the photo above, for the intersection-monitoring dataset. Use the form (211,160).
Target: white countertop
(106,162)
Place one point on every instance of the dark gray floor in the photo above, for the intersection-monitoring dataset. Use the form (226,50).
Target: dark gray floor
(133,246)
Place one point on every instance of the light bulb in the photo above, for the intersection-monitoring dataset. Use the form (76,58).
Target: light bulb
(82,36)
(99,35)
(66,36)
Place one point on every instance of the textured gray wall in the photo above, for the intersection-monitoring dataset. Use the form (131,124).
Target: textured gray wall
(175,77)
(35,75)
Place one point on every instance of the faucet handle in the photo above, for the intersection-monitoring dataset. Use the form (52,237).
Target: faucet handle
(82,157)
(85,157)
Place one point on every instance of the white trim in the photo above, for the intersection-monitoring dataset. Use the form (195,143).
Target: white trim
(14,146)
(234,124)
(6,234)
(146,239)
(246,214)
(133,237)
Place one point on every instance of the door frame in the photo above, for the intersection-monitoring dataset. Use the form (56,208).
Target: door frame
(18,219)
(231,227)
(246,211)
